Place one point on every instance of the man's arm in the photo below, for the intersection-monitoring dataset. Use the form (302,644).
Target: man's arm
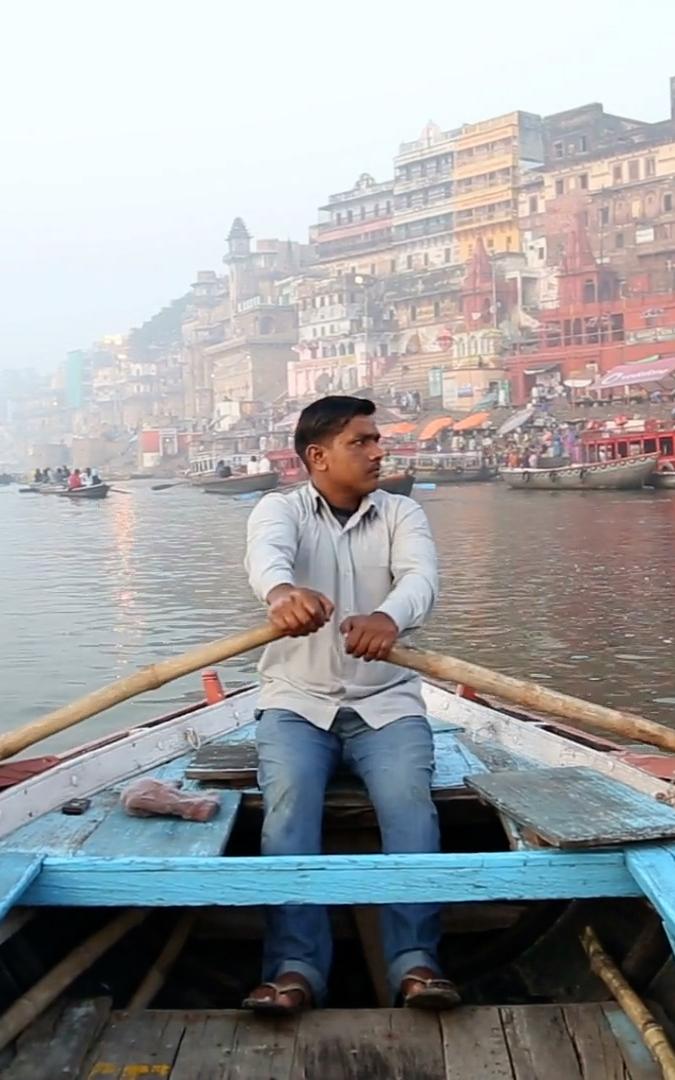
(414,569)
(271,548)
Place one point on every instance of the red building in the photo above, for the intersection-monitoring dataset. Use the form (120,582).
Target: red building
(596,325)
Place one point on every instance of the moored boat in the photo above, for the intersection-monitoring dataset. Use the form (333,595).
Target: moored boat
(93,492)
(239,484)
(662,478)
(136,887)
(399,483)
(458,467)
(623,475)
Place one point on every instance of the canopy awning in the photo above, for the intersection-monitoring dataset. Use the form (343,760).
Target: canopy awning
(432,427)
(542,369)
(403,427)
(653,369)
(476,420)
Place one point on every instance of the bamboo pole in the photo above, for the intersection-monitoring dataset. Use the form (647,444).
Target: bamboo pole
(148,678)
(40,996)
(652,1033)
(156,974)
(532,696)
(433,665)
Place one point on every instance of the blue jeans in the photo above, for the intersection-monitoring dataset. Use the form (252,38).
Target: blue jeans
(296,760)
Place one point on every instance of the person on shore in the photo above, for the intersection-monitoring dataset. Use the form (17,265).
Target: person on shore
(223,471)
(344,569)
(75,480)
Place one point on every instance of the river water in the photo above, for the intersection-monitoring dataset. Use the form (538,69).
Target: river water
(573,590)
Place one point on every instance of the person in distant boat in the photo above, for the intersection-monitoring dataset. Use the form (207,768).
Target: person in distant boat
(264,465)
(75,480)
(253,467)
(86,477)
(344,569)
(47,475)
(223,470)
(95,478)
(37,476)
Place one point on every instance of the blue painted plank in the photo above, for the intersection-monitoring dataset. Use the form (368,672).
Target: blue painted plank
(653,868)
(17,871)
(120,834)
(576,806)
(332,879)
(453,761)
(59,834)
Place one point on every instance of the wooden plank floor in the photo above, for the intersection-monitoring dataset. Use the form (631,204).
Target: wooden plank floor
(533,1042)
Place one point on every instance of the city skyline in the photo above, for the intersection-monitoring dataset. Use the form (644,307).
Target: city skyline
(121,182)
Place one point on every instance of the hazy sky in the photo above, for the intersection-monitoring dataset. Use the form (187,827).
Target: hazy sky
(133,132)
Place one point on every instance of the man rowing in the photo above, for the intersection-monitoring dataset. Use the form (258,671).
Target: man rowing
(344,569)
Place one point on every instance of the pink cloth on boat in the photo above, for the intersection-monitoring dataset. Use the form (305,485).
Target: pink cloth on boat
(146,797)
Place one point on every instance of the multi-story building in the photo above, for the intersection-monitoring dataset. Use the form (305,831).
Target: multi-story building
(353,235)
(423,197)
(490,158)
(206,320)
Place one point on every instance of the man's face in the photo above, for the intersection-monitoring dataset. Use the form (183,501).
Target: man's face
(351,460)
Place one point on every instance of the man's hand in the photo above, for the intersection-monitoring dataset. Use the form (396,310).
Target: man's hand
(298,612)
(369,637)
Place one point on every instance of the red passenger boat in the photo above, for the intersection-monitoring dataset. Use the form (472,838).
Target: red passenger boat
(601,446)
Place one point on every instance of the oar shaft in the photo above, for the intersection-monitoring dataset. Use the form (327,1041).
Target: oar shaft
(531,695)
(148,678)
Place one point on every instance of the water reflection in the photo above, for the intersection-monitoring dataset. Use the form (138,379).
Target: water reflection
(573,589)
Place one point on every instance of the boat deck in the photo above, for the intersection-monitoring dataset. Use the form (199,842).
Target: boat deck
(572,1042)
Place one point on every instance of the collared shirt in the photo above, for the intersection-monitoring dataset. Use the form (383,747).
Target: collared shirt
(384,559)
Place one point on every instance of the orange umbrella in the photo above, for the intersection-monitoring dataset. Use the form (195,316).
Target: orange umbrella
(432,427)
(471,422)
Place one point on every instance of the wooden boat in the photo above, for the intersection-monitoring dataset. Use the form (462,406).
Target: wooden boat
(96,491)
(624,475)
(73,866)
(454,468)
(239,485)
(398,483)
(662,478)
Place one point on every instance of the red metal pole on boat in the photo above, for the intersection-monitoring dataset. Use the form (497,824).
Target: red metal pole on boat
(213,688)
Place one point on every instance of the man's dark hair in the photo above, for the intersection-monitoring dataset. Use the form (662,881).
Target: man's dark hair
(327,417)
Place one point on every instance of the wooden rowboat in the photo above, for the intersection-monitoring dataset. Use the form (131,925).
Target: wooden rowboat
(96,491)
(74,866)
(627,474)
(239,485)
(398,483)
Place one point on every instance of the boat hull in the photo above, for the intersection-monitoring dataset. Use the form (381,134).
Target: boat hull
(95,493)
(398,483)
(626,475)
(662,480)
(240,485)
(458,475)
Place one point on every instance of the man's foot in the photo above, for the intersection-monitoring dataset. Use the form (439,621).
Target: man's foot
(421,988)
(289,994)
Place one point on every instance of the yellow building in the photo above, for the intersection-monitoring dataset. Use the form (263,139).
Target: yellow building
(489,158)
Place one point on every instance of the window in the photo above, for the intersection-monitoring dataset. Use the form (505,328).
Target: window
(667,203)
(426,258)
(604,215)
(560,187)
(338,218)
(650,167)
(618,240)
(363,212)
(437,309)
(392,266)
(534,204)
(585,218)
(413,313)
(583,181)
(350,216)
(633,170)
(617,174)
(583,144)
(446,253)
(408,262)
(388,207)
(376,209)
(558,150)
(408,200)
(508,243)
(373,269)
(490,242)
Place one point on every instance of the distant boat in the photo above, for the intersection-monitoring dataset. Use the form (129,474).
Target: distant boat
(96,491)
(623,475)
(238,485)
(397,483)
(662,478)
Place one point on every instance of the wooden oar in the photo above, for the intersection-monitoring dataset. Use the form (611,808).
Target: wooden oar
(433,665)
(163,487)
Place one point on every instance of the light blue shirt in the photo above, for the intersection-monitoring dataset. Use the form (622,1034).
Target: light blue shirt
(384,559)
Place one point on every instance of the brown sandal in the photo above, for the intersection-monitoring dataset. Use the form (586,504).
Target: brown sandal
(271,1006)
(437,995)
